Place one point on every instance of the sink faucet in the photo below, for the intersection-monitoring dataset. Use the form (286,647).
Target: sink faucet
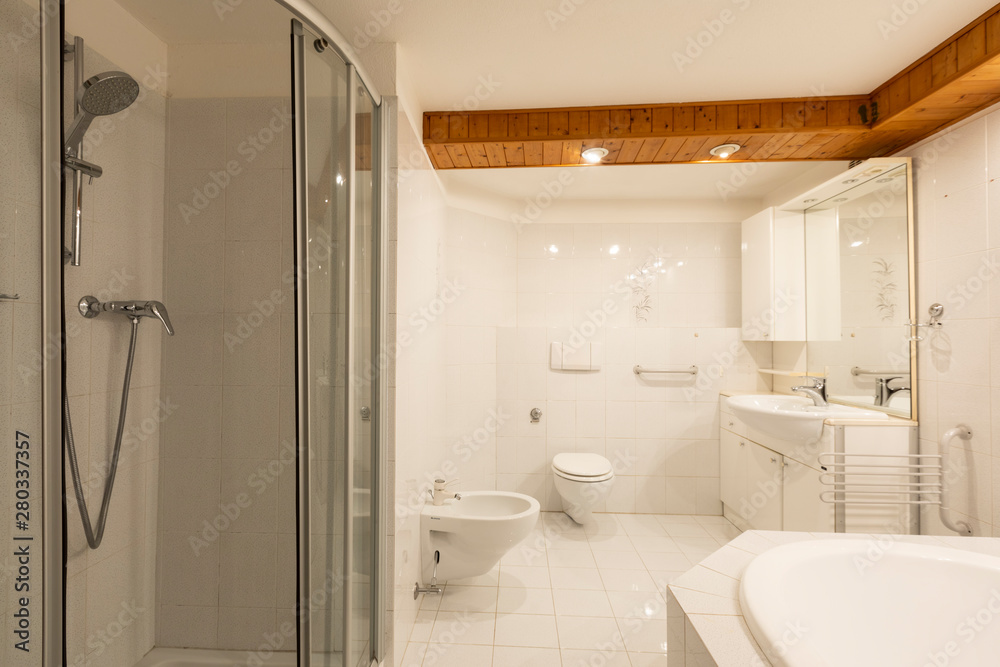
(883,392)
(816,391)
(441,494)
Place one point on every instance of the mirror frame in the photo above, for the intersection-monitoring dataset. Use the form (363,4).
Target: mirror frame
(861,174)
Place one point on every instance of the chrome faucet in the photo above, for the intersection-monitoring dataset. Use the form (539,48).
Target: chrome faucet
(883,392)
(816,391)
(440,492)
(91,307)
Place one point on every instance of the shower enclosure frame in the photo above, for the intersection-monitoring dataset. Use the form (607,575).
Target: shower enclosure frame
(53,598)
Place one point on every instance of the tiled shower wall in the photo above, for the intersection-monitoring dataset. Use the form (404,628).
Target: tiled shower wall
(122,258)
(657,295)
(20,273)
(227,567)
(957,190)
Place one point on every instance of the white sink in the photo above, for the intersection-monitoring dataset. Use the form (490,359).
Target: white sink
(471,535)
(792,418)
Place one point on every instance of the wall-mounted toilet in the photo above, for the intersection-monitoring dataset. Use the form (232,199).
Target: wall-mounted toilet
(583,481)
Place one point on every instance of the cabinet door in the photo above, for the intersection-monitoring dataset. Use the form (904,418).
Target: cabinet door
(732,470)
(758,277)
(804,511)
(763,502)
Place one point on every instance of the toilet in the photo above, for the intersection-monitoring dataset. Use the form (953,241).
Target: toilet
(583,482)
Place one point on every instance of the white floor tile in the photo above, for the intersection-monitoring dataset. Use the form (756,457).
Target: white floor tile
(666,561)
(589,633)
(584,658)
(458,655)
(618,560)
(685,530)
(660,543)
(637,604)
(611,543)
(527,630)
(582,603)
(525,601)
(627,580)
(644,636)
(422,626)
(491,578)
(576,578)
(524,577)
(571,558)
(414,654)
(469,598)
(463,627)
(516,656)
(646,659)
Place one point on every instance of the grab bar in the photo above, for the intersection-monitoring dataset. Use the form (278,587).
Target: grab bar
(639,370)
(13,297)
(864,371)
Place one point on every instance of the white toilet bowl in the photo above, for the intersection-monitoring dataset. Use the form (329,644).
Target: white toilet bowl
(583,481)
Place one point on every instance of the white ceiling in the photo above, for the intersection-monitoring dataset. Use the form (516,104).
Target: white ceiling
(605,51)
(719,182)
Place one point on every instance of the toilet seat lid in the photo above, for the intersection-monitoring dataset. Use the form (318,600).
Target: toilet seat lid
(582,465)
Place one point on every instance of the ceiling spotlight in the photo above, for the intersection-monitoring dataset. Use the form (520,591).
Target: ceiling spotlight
(594,155)
(614,250)
(553,249)
(725,150)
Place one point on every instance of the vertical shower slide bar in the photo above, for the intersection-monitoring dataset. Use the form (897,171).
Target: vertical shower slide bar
(303,398)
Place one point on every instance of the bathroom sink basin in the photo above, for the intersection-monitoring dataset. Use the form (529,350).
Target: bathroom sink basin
(471,535)
(792,418)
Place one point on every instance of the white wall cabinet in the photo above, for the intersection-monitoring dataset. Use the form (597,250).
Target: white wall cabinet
(773,272)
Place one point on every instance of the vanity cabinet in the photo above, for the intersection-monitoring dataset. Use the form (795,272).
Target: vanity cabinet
(763,487)
(774,272)
(750,481)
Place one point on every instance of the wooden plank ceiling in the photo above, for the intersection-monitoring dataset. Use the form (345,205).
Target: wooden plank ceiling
(958,78)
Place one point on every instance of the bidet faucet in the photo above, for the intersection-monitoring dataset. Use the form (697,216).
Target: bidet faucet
(441,494)
(816,391)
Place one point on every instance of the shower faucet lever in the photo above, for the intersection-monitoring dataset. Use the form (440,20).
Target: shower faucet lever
(90,307)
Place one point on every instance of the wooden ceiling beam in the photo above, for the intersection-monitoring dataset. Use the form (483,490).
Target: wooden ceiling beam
(956,79)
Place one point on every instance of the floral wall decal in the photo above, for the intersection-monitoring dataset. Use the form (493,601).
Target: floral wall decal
(640,281)
(885,288)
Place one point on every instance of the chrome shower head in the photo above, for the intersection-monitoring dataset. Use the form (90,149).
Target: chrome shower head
(101,95)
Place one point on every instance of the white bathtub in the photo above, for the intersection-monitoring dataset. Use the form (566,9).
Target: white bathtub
(858,602)
(196,657)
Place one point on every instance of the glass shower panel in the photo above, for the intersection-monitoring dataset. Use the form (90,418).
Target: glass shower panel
(363,281)
(328,206)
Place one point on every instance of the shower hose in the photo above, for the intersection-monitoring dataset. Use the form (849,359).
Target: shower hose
(94,537)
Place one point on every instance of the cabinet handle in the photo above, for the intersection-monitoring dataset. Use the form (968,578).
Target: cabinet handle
(774,460)
(730,422)
(742,443)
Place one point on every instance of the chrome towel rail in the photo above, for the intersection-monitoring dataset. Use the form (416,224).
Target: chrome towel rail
(639,370)
(12,297)
(857,370)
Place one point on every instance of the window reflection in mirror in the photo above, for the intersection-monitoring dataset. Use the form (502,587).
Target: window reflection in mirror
(859,293)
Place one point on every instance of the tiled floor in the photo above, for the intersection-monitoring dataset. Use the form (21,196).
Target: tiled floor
(568,596)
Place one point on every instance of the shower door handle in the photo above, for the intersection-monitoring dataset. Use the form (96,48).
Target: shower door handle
(366,414)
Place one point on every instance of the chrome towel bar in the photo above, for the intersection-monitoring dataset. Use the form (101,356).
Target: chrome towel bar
(12,297)
(857,370)
(639,370)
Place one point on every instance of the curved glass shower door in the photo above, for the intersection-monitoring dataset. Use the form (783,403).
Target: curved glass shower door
(335,266)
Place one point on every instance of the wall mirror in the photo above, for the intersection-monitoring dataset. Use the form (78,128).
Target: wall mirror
(860,293)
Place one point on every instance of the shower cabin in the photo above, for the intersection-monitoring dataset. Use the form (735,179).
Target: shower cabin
(191,280)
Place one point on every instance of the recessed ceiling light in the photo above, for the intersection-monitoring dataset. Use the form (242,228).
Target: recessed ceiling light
(553,249)
(857,243)
(724,150)
(594,155)
(809,201)
(613,250)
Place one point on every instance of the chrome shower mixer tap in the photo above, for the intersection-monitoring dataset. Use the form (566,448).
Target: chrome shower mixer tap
(91,307)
